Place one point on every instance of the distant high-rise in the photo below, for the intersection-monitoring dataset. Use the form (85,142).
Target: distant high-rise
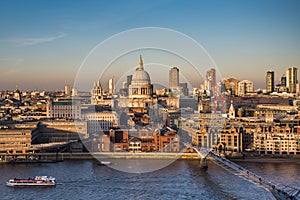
(244,87)
(210,79)
(174,78)
(129,79)
(270,81)
(283,80)
(291,79)
(67,91)
(111,86)
(231,85)
(184,88)
(74,92)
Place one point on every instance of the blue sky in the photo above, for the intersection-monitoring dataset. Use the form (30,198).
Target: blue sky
(43,43)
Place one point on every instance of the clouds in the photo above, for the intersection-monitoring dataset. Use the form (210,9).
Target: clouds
(14,61)
(36,41)
(11,71)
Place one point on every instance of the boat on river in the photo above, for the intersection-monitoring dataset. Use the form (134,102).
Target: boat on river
(37,181)
(103,163)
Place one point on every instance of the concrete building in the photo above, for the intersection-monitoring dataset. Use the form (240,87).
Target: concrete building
(276,140)
(67,91)
(283,80)
(263,109)
(281,87)
(124,90)
(188,102)
(173,78)
(177,89)
(102,144)
(184,89)
(270,82)
(16,138)
(231,139)
(210,79)
(231,85)
(227,139)
(63,108)
(291,79)
(244,87)
(111,86)
(60,131)
(74,92)
(205,135)
(100,121)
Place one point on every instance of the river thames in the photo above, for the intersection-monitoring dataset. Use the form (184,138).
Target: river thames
(84,179)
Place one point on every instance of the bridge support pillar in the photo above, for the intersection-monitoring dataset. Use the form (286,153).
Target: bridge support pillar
(203,163)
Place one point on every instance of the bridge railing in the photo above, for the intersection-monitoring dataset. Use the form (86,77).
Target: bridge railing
(284,191)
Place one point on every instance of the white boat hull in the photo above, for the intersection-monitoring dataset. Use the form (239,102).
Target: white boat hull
(37,181)
(29,184)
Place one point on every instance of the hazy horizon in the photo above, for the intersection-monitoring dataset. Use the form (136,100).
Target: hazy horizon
(43,43)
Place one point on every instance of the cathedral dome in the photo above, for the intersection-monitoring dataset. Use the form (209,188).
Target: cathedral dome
(140,86)
(140,76)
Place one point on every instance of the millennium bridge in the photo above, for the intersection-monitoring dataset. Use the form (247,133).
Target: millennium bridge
(279,191)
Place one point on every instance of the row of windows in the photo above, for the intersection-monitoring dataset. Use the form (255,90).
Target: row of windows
(101,118)
(282,149)
(99,122)
(64,108)
(278,146)
(65,115)
(14,143)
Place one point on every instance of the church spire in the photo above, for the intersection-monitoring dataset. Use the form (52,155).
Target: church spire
(141,63)
(231,111)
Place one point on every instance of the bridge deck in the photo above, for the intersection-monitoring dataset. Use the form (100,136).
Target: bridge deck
(279,191)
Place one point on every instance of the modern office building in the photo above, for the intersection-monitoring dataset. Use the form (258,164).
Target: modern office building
(111,86)
(283,80)
(291,79)
(98,122)
(74,92)
(60,131)
(67,91)
(231,85)
(16,138)
(270,82)
(244,87)
(184,89)
(173,78)
(210,79)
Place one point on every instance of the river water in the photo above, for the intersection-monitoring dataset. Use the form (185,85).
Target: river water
(84,179)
